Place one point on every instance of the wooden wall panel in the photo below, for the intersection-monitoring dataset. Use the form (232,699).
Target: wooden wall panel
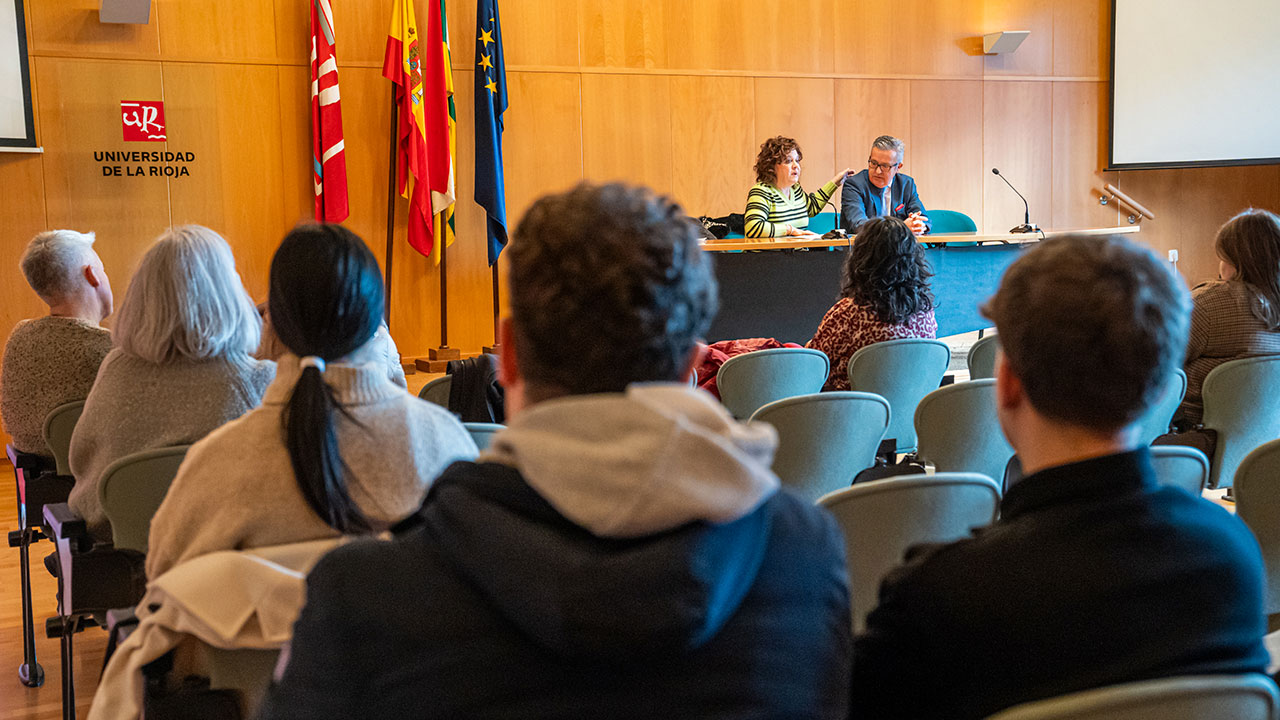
(801,109)
(229,116)
(797,36)
(243,29)
(22,216)
(704,136)
(79,114)
(626,129)
(1018,139)
(945,154)
(909,37)
(623,33)
(542,138)
(72,27)
(1079,143)
(537,32)
(1082,38)
(865,110)
(297,198)
(1191,204)
(1035,55)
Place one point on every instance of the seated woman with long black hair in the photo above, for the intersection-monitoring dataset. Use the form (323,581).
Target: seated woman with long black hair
(336,447)
(885,296)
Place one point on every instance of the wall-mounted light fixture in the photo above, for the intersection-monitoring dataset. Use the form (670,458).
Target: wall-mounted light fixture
(126,12)
(1003,43)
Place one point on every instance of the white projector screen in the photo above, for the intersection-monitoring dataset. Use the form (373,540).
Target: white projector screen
(16,126)
(1195,83)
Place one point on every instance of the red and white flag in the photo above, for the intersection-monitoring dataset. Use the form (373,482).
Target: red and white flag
(328,157)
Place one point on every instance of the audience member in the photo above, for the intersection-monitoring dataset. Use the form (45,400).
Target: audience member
(1095,574)
(336,447)
(885,297)
(181,365)
(623,550)
(776,204)
(52,360)
(1237,315)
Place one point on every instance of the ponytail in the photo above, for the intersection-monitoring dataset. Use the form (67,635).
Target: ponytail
(325,301)
(312,442)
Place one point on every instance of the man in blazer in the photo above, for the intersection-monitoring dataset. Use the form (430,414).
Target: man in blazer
(882,190)
(1095,574)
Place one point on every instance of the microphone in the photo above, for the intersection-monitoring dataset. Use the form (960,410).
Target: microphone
(1026,226)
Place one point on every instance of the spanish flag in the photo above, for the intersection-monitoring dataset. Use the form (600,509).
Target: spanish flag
(424,101)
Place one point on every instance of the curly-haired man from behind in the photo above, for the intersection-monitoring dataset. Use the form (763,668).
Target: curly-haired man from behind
(623,549)
(1095,574)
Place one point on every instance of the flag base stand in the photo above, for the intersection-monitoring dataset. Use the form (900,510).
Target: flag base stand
(437,359)
(444,353)
(494,349)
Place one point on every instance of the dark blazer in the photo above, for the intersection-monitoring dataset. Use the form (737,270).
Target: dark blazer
(860,200)
(1093,576)
(493,605)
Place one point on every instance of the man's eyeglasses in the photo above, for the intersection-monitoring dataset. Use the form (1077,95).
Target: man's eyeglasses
(881,167)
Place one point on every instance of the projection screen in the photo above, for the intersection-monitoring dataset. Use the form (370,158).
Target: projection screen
(17,128)
(1195,83)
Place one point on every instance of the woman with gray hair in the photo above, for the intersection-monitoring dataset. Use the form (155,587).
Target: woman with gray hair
(182,363)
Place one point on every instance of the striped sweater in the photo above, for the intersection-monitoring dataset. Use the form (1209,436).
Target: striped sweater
(769,211)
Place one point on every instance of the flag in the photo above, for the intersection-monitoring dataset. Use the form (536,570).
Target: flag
(491,103)
(424,142)
(329,159)
(444,227)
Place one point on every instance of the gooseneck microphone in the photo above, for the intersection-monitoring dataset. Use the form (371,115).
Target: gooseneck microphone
(1026,225)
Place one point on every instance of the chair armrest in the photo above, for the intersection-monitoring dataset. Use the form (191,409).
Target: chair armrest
(64,523)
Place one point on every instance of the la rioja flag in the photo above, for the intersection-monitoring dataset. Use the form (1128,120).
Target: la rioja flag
(329,160)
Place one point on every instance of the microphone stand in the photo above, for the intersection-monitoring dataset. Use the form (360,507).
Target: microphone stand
(1026,226)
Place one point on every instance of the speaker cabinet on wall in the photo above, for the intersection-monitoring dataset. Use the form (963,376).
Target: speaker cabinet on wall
(130,12)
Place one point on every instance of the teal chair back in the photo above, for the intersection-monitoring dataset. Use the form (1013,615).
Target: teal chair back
(1181,466)
(882,518)
(903,372)
(1240,404)
(959,430)
(132,489)
(823,223)
(482,433)
(982,357)
(59,424)
(1156,422)
(752,380)
(437,391)
(1190,697)
(825,439)
(950,221)
(1257,493)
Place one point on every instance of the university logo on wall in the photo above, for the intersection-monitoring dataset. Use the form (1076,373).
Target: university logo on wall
(143,120)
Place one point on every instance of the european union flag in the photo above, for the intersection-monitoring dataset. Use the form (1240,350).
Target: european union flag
(491,102)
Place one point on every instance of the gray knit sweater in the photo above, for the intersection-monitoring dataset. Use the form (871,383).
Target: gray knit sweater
(48,361)
(137,405)
(236,488)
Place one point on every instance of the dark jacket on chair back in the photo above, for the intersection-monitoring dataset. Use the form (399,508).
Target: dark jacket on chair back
(660,575)
(1094,575)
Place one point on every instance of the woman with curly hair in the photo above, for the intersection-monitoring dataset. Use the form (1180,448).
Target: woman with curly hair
(776,204)
(885,296)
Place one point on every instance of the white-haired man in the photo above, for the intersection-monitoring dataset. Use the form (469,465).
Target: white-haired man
(53,360)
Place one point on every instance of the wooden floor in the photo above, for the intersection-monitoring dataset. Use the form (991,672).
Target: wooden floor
(17,701)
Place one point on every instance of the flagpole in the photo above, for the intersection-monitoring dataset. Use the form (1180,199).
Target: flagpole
(496,340)
(391,205)
(444,292)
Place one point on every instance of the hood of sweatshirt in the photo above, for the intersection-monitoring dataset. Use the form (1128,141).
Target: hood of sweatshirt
(607,527)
